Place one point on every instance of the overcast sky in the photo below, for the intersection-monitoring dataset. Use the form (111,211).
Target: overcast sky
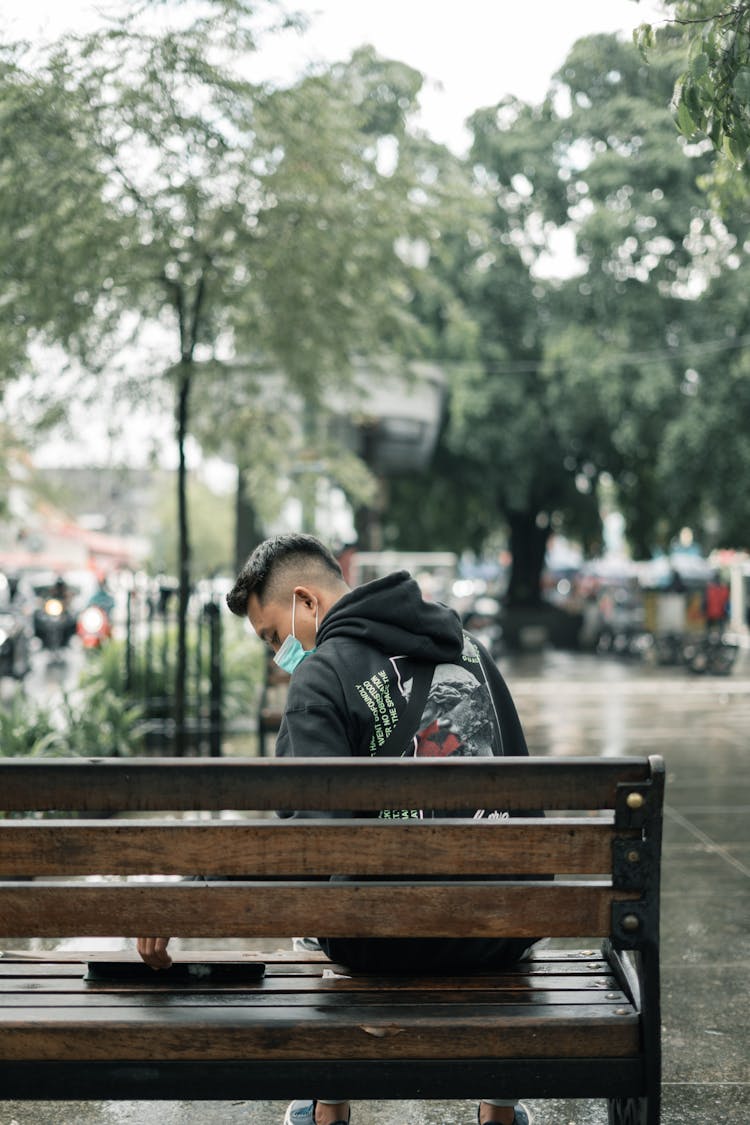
(472,52)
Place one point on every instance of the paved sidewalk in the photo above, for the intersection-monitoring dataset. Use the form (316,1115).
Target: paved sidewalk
(580,705)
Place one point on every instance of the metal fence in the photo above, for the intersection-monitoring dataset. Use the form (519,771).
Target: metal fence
(151,667)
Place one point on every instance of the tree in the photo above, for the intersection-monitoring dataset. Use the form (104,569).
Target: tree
(444,507)
(60,241)
(227,215)
(569,399)
(630,314)
(712,95)
(563,381)
(705,449)
(328,283)
(706,445)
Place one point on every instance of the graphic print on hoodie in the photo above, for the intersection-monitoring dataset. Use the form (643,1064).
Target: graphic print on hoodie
(458,718)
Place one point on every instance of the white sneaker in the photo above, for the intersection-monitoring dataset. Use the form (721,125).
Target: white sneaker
(523,1114)
(300,1113)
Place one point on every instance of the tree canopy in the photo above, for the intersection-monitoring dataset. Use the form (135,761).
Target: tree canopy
(570,381)
(149,180)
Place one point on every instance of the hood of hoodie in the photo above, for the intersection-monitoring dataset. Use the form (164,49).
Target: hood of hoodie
(391,615)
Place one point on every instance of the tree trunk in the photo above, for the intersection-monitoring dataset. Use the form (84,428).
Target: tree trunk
(183,413)
(189,319)
(369,527)
(528,546)
(307,482)
(247,529)
(368,519)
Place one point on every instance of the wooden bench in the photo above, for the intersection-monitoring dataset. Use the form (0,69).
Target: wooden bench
(567,1023)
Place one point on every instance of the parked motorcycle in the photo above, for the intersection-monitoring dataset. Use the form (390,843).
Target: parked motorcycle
(94,627)
(713,654)
(54,624)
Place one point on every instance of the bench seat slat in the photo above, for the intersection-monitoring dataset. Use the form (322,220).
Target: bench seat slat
(295,984)
(58,962)
(346,1030)
(290,990)
(271,909)
(563,846)
(414,1003)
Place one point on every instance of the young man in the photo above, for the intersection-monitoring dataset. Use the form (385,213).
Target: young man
(375,670)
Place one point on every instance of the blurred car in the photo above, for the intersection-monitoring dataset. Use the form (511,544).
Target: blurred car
(14,631)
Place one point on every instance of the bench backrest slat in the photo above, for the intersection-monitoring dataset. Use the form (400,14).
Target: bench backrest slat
(110,785)
(268,910)
(301,848)
(606,863)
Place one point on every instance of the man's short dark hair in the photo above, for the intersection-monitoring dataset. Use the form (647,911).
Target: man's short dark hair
(274,560)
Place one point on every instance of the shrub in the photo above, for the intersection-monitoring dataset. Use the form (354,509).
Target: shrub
(92,721)
(26,729)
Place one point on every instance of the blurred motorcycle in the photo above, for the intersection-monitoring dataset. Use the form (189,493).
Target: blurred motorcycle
(54,624)
(93,627)
(713,654)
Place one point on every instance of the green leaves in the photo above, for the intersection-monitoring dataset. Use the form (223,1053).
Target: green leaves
(643,37)
(712,97)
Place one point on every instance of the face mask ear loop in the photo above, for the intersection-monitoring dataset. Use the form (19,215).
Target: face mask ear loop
(294,606)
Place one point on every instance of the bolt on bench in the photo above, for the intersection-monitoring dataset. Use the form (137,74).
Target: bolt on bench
(565,1023)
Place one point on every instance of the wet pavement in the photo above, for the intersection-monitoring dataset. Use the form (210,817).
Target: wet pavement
(572,705)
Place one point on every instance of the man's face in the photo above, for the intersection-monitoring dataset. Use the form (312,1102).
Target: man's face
(272,621)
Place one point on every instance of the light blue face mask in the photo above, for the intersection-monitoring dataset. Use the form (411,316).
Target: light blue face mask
(291,654)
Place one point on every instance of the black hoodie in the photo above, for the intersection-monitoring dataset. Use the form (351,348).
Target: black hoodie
(395,675)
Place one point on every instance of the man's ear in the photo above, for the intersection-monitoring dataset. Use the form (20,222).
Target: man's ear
(306,596)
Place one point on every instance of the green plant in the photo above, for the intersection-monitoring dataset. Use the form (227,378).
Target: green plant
(91,721)
(105,666)
(243,670)
(101,723)
(26,729)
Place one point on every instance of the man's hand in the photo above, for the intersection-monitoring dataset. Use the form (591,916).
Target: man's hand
(153,951)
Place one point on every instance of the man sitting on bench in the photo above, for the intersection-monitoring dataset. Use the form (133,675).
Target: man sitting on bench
(376,671)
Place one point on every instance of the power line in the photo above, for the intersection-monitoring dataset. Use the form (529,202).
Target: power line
(656,355)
